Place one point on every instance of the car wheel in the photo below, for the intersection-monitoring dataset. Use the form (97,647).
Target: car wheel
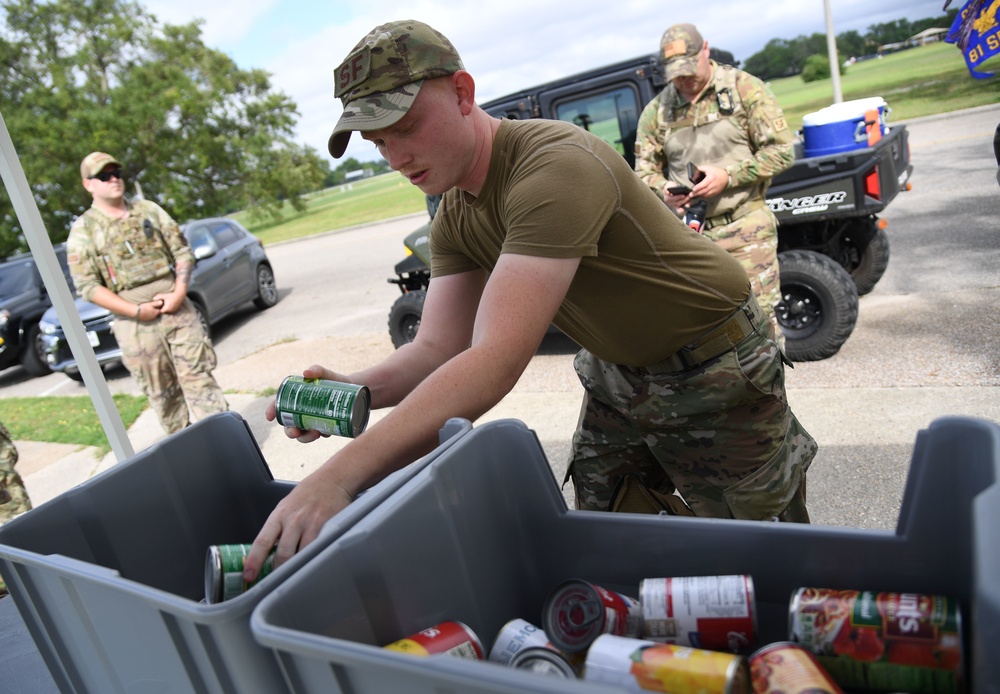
(74,375)
(203,318)
(404,317)
(33,356)
(819,305)
(267,291)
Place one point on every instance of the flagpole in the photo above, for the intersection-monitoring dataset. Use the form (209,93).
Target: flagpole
(831,50)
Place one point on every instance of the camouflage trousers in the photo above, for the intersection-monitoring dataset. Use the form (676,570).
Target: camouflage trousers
(720,434)
(13,496)
(753,240)
(171,358)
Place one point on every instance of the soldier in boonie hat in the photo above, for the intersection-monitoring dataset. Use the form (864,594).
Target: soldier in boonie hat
(679,49)
(94,162)
(380,78)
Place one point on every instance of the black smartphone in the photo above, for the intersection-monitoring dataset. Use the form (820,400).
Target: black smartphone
(694,173)
(678,190)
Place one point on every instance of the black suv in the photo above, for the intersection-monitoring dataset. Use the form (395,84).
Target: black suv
(23,300)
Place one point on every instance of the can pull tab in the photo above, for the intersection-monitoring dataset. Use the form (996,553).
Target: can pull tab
(580,613)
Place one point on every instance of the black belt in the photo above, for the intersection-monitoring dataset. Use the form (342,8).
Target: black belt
(730,217)
(719,340)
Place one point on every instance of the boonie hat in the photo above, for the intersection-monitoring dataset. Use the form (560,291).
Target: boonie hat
(679,50)
(380,78)
(94,162)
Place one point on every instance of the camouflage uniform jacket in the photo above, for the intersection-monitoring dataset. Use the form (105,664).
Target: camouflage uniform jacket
(134,257)
(736,124)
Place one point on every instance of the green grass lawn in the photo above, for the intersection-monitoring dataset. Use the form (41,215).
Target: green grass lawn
(65,419)
(917,82)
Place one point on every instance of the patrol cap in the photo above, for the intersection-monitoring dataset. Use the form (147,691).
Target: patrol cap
(679,50)
(94,162)
(380,78)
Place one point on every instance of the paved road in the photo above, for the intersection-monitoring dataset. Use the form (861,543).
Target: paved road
(924,346)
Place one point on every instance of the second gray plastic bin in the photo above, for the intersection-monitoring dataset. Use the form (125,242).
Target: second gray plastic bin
(482,535)
(109,575)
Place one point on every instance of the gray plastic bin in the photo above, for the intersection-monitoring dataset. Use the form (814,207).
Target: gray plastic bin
(482,534)
(109,575)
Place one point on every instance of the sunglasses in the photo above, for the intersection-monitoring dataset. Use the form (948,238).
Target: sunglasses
(106,176)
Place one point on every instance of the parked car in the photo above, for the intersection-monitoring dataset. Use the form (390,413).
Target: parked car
(23,301)
(231,268)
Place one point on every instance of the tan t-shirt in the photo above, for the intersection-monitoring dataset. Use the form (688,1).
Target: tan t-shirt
(646,285)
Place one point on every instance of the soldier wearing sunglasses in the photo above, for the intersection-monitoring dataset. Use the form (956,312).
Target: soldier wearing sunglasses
(131,258)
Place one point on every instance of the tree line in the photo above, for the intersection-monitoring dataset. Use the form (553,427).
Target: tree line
(194,131)
(786,57)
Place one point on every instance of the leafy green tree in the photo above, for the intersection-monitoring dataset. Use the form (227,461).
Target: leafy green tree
(194,131)
(817,67)
(850,44)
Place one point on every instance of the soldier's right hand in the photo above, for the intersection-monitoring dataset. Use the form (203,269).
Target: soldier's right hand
(305,435)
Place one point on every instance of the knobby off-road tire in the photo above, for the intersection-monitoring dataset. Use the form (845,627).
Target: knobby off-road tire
(404,317)
(819,305)
(872,264)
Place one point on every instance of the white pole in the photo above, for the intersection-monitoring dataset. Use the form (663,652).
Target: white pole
(55,282)
(831,49)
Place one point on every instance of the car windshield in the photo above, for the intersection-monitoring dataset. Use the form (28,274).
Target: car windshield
(14,279)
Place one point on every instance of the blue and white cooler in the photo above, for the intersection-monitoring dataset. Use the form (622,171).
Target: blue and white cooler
(841,127)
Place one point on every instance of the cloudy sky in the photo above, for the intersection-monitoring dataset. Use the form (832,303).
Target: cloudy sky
(506,44)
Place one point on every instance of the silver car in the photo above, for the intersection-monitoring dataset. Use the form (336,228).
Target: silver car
(231,268)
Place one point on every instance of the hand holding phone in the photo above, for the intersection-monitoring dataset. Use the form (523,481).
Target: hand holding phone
(678,190)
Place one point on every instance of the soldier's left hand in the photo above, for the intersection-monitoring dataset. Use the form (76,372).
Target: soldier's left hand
(715,181)
(169,302)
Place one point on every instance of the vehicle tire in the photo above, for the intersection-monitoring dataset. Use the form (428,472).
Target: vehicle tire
(267,290)
(819,305)
(203,318)
(33,355)
(404,317)
(872,264)
(74,375)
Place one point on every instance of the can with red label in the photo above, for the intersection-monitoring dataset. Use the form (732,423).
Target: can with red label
(577,612)
(637,665)
(447,638)
(871,641)
(714,612)
(787,668)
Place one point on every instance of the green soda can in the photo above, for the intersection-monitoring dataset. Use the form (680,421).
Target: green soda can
(224,572)
(329,407)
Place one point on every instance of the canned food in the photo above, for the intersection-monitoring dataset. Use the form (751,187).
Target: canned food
(577,612)
(787,668)
(447,638)
(515,635)
(544,661)
(714,612)
(881,641)
(224,572)
(329,407)
(638,665)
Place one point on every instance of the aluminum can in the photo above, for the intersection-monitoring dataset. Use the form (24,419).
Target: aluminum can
(870,641)
(714,612)
(544,661)
(637,665)
(447,638)
(577,612)
(787,668)
(329,407)
(224,572)
(514,636)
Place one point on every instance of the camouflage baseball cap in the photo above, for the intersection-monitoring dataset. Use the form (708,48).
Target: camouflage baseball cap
(380,78)
(94,162)
(679,50)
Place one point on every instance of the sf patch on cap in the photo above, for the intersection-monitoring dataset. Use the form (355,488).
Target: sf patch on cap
(380,78)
